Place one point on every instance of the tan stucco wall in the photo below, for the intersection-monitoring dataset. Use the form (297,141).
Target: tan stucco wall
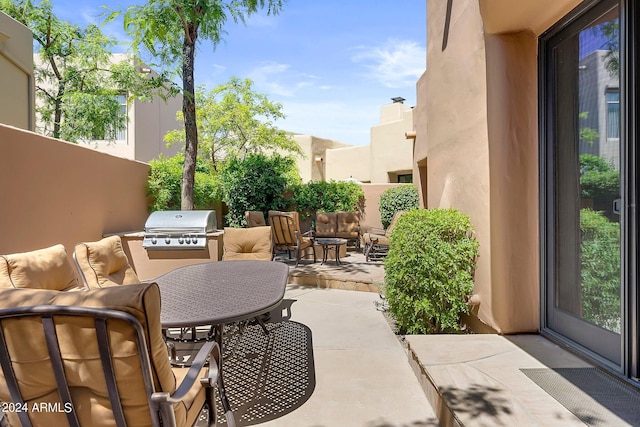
(58,192)
(371,212)
(17,98)
(313,163)
(389,153)
(476,142)
(352,162)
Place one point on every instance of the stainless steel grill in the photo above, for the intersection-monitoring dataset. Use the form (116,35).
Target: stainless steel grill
(178,230)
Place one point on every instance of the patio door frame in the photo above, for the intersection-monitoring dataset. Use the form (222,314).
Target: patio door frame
(580,336)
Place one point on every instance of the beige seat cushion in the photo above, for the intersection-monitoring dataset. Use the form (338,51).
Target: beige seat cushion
(79,350)
(348,225)
(326,224)
(104,263)
(380,239)
(255,219)
(247,244)
(47,268)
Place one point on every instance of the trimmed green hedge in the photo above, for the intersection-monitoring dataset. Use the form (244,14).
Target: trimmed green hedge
(401,198)
(429,270)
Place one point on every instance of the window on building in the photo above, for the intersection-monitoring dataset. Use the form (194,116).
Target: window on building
(613,113)
(405,178)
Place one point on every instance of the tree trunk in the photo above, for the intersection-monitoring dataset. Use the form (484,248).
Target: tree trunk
(57,116)
(190,127)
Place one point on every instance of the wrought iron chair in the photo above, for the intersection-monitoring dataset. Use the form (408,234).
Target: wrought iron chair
(376,241)
(286,234)
(98,358)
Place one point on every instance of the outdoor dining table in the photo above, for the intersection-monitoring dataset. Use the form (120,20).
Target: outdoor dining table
(218,293)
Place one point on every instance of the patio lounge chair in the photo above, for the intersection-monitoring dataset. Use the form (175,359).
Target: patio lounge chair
(247,244)
(97,358)
(376,241)
(104,263)
(255,219)
(47,268)
(286,234)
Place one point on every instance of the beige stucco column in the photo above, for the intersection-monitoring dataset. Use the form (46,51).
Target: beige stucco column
(476,142)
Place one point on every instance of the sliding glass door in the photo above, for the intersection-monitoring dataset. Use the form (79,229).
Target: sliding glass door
(583,165)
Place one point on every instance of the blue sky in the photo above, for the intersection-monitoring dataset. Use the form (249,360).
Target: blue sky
(331,63)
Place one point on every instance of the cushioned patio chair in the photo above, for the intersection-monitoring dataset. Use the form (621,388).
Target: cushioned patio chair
(255,219)
(47,268)
(376,241)
(104,263)
(247,244)
(286,234)
(97,358)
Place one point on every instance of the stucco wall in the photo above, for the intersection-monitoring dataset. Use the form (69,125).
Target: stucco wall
(350,162)
(476,142)
(390,153)
(313,165)
(58,192)
(16,74)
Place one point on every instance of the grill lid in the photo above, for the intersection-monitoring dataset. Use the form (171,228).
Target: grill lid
(178,229)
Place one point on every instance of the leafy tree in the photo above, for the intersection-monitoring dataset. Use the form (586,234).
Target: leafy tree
(322,196)
(163,187)
(600,269)
(598,179)
(77,84)
(233,120)
(256,183)
(170,31)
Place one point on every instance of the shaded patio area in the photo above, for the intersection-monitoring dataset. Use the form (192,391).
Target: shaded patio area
(331,359)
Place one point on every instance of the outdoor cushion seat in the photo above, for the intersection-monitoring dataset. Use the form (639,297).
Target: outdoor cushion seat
(104,263)
(247,244)
(255,219)
(376,241)
(286,234)
(344,225)
(47,268)
(95,352)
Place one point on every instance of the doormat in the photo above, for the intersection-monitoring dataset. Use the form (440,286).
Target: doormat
(593,396)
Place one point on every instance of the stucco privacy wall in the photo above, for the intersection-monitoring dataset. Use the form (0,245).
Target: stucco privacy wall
(477,143)
(16,74)
(58,192)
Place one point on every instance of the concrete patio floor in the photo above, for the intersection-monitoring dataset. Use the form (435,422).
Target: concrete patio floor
(331,359)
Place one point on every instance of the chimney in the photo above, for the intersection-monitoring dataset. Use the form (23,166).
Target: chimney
(398,99)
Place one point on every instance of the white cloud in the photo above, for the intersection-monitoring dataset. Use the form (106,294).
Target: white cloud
(278,79)
(339,121)
(397,64)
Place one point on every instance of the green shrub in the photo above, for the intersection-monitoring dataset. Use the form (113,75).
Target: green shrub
(600,269)
(324,196)
(164,184)
(429,270)
(255,183)
(401,198)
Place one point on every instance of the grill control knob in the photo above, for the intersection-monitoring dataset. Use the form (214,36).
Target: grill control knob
(167,240)
(154,240)
(195,240)
(180,240)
